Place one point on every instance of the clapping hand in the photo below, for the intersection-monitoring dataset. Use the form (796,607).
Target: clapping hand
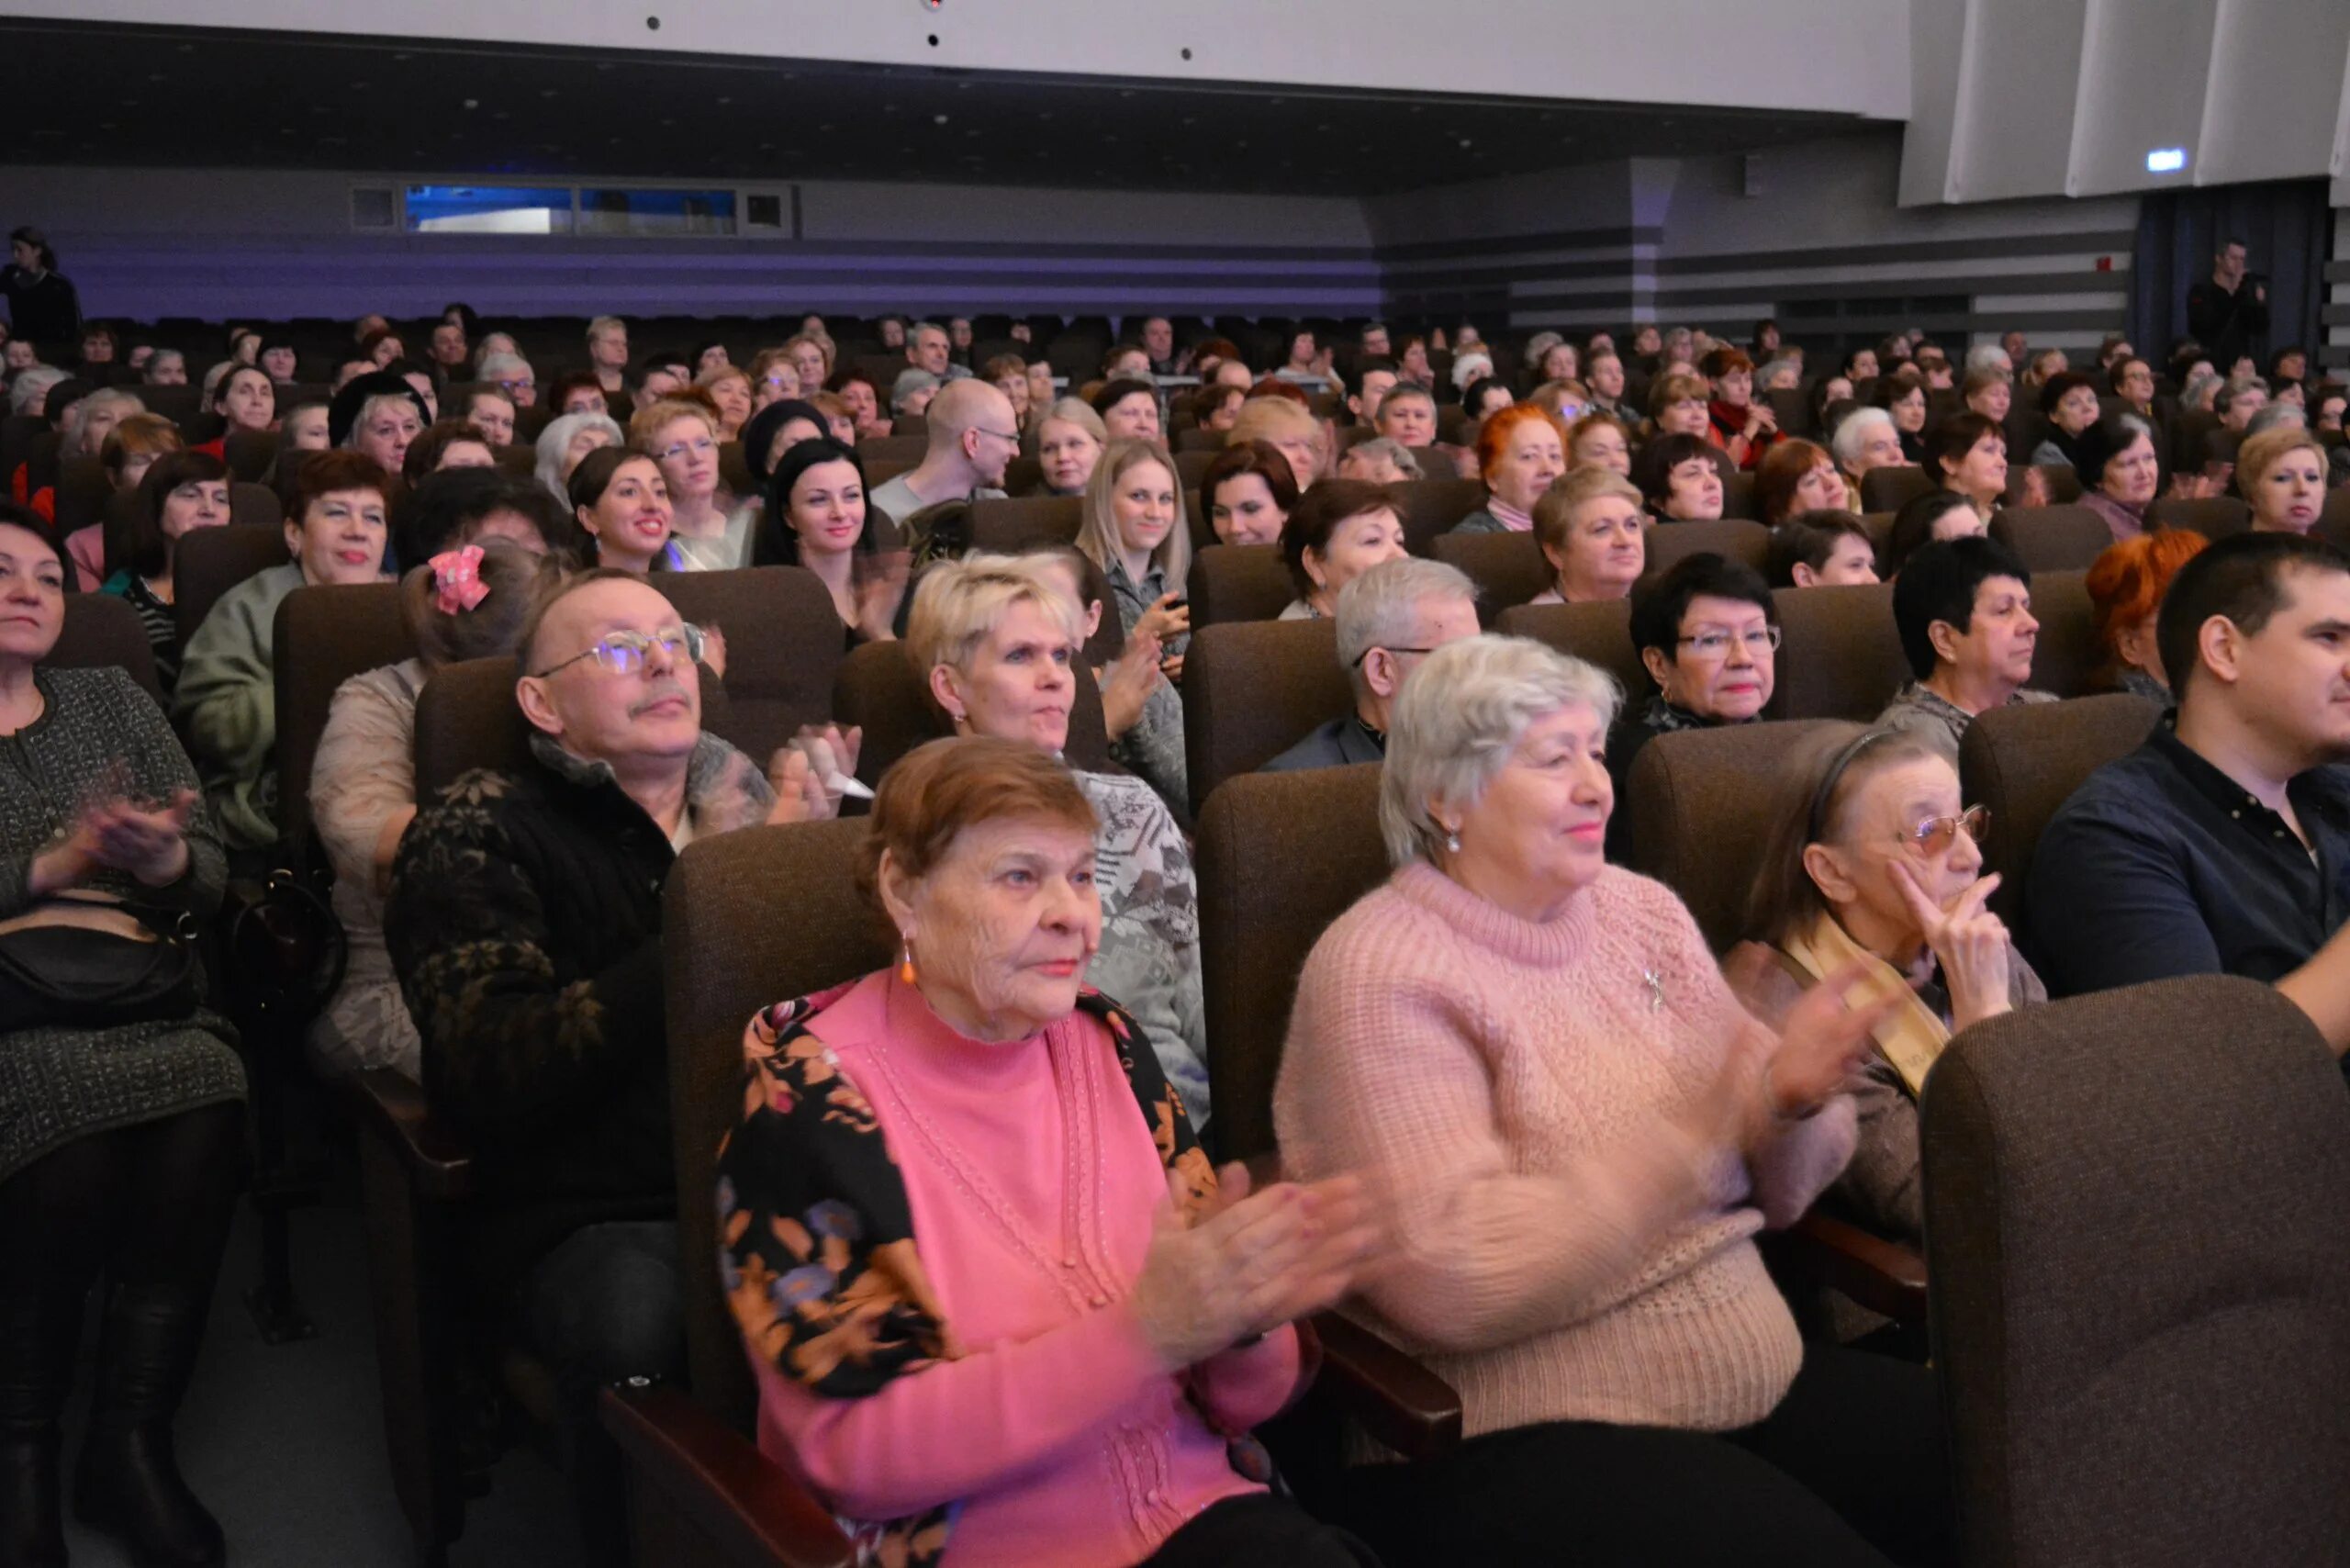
(1970,942)
(1168,618)
(798,797)
(118,833)
(1128,683)
(880,587)
(1824,1043)
(1250,1263)
(830,753)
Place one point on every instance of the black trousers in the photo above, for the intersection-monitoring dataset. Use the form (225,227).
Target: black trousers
(1849,1472)
(148,1205)
(1260,1531)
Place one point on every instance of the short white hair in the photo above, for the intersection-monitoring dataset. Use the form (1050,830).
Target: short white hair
(1989,356)
(1378,609)
(1854,433)
(31,384)
(494,366)
(556,438)
(1461,717)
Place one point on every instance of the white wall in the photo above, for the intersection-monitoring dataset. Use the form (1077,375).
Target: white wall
(2280,70)
(2146,66)
(1836,56)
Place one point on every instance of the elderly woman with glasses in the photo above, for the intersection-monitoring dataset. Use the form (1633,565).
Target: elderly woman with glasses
(711,534)
(1577,1132)
(1876,863)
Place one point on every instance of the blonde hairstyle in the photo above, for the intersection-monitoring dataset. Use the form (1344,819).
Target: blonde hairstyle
(1097,530)
(823,346)
(646,422)
(1078,412)
(718,372)
(2261,453)
(139,435)
(1554,513)
(77,418)
(957,603)
(1264,418)
(1678,387)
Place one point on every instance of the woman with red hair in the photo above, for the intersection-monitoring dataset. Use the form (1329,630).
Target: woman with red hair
(1520,451)
(2126,585)
(1735,421)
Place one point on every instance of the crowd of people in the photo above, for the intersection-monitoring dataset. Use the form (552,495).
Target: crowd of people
(1002,1306)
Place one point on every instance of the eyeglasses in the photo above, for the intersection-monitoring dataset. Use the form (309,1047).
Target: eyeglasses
(1936,835)
(524,383)
(626,652)
(1392,653)
(1011,436)
(697,447)
(1759,640)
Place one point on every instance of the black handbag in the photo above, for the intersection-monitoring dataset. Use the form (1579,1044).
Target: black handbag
(70,976)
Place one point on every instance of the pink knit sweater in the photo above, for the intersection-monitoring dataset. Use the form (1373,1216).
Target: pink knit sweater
(1567,1253)
(1032,1178)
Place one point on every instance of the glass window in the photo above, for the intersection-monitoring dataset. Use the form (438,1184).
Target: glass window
(657,212)
(490,210)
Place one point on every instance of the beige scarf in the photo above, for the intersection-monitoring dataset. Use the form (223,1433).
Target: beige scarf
(1910,1038)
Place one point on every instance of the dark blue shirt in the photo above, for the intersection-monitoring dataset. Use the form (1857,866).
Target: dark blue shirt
(2162,865)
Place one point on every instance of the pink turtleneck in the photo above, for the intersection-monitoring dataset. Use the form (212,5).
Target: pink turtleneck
(1032,1179)
(1509,516)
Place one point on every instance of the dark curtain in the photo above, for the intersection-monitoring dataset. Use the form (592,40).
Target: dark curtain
(2284,224)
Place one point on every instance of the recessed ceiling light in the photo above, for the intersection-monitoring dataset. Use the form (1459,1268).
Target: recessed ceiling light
(938,119)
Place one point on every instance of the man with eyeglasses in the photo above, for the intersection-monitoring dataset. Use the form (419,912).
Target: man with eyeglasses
(2222,845)
(1964,610)
(512,376)
(524,921)
(1389,619)
(973,437)
(1708,631)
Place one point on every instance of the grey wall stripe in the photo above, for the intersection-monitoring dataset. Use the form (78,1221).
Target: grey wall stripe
(1560,240)
(2121,244)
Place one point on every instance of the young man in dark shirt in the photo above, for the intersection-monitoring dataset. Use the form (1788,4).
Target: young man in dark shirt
(42,305)
(2228,311)
(2222,845)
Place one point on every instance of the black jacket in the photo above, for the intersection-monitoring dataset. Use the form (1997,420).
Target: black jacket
(44,308)
(2228,325)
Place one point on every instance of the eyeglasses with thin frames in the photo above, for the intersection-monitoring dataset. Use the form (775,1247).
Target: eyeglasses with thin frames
(626,652)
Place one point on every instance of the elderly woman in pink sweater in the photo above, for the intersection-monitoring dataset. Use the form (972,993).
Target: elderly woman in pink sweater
(1000,1310)
(1534,1059)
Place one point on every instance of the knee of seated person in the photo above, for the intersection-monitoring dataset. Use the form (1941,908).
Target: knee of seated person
(612,1311)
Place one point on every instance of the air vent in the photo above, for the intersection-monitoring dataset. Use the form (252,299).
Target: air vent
(763,210)
(374,207)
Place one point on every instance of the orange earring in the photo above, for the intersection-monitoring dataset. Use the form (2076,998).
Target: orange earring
(906,962)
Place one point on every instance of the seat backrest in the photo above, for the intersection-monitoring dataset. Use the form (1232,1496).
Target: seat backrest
(2052,538)
(2067,656)
(1599,634)
(466,718)
(249,455)
(1238,582)
(1019,522)
(2215,516)
(1280,857)
(208,562)
(878,688)
(784,645)
(81,492)
(1508,569)
(1701,803)
(2063,482)
(747,919)
(1191,467)
(2138,1233)
(1252,691)
(2025,760)
(1792,405)
(323,637)
(1195,438)
(2333,522)
(1892,487)
(2187,433)
(1735,537)
(101,629)
(256,506)
(1430,506)
(1839,653)
(1737,493)
(893,448)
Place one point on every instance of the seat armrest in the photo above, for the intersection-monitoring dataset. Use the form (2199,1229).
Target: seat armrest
(1882,1276)
(393,1105)
(719,1481)
(1389,1394)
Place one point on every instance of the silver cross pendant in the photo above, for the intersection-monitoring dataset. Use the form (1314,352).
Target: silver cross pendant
(1656,990)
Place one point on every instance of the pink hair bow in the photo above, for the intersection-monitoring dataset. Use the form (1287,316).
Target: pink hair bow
(456,579)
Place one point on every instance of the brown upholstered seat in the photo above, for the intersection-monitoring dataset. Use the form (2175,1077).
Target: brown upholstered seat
(1735,537)
(1840,654)
(1508,569)
(1197,439)
(2063,479)
(1280,856)
(100,630)
(1701,803)
(323,637)
(1252,689)
(466,718)
(784,645)
(1600,634)
(2333,522)
(2067,655)
(1428,507)
(1894,487)
(1738,494)
(249,455)
(81,492)
(2216,517)
(734,470)
(1020,522)
(2025,761)
(2138,1225)
(878,688)
(1191,467)
(1238,582)
(2052,538)
(208,562)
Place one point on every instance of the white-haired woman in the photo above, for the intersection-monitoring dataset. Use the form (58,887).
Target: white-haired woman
(1867,439)
(997,639)
(1579,1131)
(567,440)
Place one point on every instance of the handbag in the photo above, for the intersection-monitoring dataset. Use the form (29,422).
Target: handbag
(70,976)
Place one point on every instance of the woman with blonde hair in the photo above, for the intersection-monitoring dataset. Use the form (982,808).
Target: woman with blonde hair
(729,387)
(1134,529)
(1291,429)
(2282,472)
(710,532)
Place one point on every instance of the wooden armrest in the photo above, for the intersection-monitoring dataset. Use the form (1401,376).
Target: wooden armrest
(1882,1276)
(1391,1397)
(720,1482)
(439,1164)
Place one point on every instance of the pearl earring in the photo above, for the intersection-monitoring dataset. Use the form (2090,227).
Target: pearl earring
(1452,841)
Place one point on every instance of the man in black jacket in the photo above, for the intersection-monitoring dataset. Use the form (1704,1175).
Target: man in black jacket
(2228,311)
(524,921)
